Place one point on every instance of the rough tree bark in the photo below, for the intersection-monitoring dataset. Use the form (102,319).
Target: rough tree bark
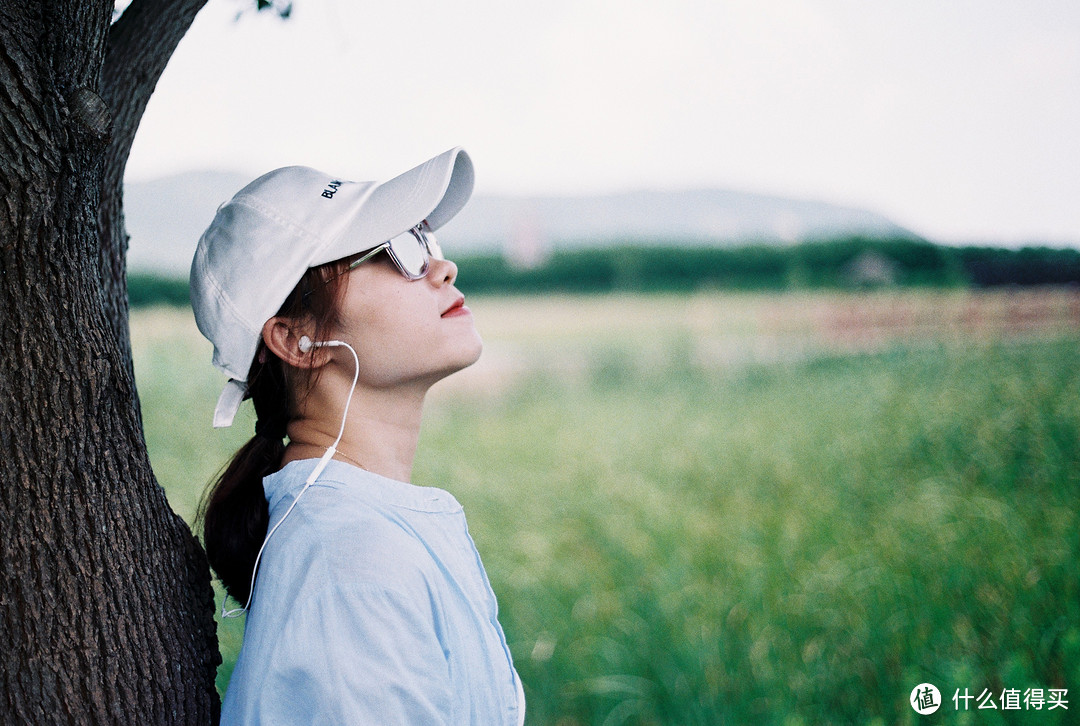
(106,610)
(140,45)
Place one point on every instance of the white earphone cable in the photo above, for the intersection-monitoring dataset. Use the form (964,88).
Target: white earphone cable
(329,454)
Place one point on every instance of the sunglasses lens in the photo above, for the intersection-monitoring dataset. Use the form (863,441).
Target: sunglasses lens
(409,254)
(433,246)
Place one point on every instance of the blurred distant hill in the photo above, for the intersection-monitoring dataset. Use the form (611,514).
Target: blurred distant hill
(166,216)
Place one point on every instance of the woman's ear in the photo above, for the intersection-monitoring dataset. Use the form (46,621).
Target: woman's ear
(282,336)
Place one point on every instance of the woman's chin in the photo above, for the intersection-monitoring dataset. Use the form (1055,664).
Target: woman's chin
(468,356)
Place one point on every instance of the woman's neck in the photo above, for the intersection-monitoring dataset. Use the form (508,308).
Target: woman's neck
(380,435)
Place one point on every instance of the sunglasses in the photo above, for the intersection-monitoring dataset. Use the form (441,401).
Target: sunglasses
(411,252)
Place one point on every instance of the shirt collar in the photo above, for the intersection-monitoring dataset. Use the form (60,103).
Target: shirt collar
(352,481)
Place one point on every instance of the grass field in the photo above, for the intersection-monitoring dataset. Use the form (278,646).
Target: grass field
(717,509)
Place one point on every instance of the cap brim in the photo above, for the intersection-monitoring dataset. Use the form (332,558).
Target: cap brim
(436,191)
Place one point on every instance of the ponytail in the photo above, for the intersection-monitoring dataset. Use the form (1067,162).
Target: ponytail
(235,517)
(235,513)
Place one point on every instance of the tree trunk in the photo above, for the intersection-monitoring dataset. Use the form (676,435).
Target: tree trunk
(106,610)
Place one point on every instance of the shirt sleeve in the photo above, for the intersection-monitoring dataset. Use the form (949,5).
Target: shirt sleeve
(359,654)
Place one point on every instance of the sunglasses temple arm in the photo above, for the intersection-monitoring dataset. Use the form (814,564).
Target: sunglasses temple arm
(374,251)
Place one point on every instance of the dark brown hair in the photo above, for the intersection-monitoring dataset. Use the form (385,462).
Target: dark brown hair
(234,510)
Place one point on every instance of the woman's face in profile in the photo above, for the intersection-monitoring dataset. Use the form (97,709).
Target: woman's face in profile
(406,331)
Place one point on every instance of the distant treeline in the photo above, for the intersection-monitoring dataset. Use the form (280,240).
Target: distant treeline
(848,263)
(145,289)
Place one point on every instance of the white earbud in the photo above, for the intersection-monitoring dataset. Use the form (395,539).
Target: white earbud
(307,344)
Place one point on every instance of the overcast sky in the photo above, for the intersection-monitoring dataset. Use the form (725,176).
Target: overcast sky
(959,119)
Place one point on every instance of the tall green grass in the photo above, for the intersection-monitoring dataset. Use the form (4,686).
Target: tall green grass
(796,542)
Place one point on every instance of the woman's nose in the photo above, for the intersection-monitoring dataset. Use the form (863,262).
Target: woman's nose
(442,272)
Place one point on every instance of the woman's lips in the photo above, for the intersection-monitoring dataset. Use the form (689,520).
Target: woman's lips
(457,309)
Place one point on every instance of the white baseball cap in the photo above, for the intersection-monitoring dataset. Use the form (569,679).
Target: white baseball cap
(264,239)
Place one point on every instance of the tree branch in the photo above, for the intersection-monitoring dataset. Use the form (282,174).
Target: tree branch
(140,45)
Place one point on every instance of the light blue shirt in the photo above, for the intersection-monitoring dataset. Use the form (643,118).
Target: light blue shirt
(371,607)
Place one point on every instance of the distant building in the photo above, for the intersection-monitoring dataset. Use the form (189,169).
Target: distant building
(527,247)
(871,269)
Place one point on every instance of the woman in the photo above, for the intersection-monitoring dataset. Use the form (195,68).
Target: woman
(330,305)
